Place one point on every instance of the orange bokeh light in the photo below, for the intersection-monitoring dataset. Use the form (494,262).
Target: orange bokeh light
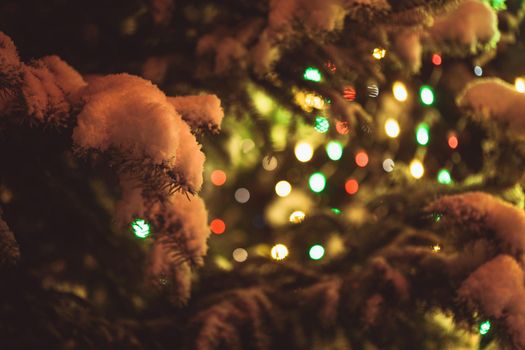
(351,186)
(361,159)
(453,141)
(217,226)
(218,177)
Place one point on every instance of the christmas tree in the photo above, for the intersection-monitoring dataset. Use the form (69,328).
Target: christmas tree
(282,174)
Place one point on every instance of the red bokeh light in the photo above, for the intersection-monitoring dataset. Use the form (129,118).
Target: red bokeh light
(217,226)
(351,186)
(361,159)
(342,127)
(349,93)
(453,141)
(436,59)
(218,177)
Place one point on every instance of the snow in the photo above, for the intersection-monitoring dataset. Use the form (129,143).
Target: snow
(492,98)
(9,59)
(189,160)
(203,111)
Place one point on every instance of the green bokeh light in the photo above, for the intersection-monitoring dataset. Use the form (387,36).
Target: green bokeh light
(444,177)
(423,134)
(334,150)
(312,74)
(317,182)
(316,252)
(141,228)
(426,94)
(321,124)
(484,327)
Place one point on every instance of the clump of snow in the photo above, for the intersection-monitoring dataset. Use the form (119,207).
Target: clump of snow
(472,25)
(492,98)
(484,212)
(189,160)
(65,76)
(9,59)
(199,112)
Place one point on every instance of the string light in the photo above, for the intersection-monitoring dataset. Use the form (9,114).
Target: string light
(388,165)
(312,74)
(519,84)
(283,188)
(453,141)
(342,127)
(303,151)
(361,159)
(416,169)
(317,182)
(426,94)
(242,195)
(279,252)
(349,93)
(218,177)
(392,128)
(141,228)
(400,91)
(316,252)
(321,124)
(436,59)
(351,186)
(478,71)
(484,327)
(297,217)
(217,226)
(240,255)
(269,163)
(423,134)
(444,177)
(379,53)
(334,150)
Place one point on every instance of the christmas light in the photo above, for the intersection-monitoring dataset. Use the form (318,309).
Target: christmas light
(217,226)
(240,255)
(312,74)
(392,128)
(400,91)
(484,327)
(361,159)
(141,228)
(303,151)
(269,163)
(416,169)
(453,141)
(379,53)
(315,101)
(297,217)
(436,248)
(519,84)
(388,165)
(423,134)
(242,195)
(349,93)
(316,252)
(444,177)
(342,127)
(426,94)
(478,71)
(218,177)
(351,186)
(321,124)
(317,182)
(283,188)
(373,90)
(279,252)
(436,59)
(334,150)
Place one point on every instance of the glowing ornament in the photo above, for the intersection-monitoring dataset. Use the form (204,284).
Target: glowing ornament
(269,163)
(351,186)
(361,159)
(334,150)
(317,182)
(423,134)
(283,188)
(297,217)
(388,165)
(416,169)
(379,53)
(303,151)
(316,252)
(279,252)
(392,128)
(349,93)
(141,228)
(453,141)
(342,127)
(400,91)
(321,124)
(312,74)
(484,327)
(217,226)
(444,177)
(240,255)
(426,94)
(218,177)
(478,71)
(436,59)
(242,195)
(373,90)
(519,84)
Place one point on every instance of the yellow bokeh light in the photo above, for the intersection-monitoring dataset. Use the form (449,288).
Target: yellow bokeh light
(416,169)
(379,53)
(283,188)
(304,151)
(315,101)
(279,252)
(436,248)
(392,128)
(400,91)
(519,84)
(297,217)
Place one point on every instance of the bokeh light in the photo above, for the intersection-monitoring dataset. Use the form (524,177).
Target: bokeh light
(400,91)
(436,59)
(423,134)
(478,71)
(334,150)
(312,74)
(141,228)
(297,217)
(316,252)
(373,90)
(484,327)
(392,128)
(342,127)
(317,182)
(283,188)
(349,93)
(217,226)
(361,159)
(379,53)
(242,195)
(453,141)
(444,177)
(218,177)
(351,186)
(388,165)
(303,151)
(240,254)
(321,124)
(519,84)
(279,251)
(426,94)
(269,163)
(417,170)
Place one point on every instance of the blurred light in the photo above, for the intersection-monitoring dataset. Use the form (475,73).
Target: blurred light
(334,150)
(315,101)
(262,102)
(519,83)
(349,93)
(392,128)
(321,124)
(484,328)
(217,226)
(373,90)
(453,141)
(283,188)
(426,93)
(279,252)
(312,74)
(422,134)
(351,186)
(400,91)
(436,248)
(297,217)
(240,255)
(361,159)
(444,177)
(331,66)
(303,151)
(247,145)
(478,71)
(218,177)
(317,182)
(336,211)
(269,163)
(388,165)
(316,252)
(379,53)
(416,169)
(342,127)
(436,59)
(141,228)
(242,195)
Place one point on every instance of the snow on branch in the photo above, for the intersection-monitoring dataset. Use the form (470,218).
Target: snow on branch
(200,112)
(9,251)
(492,98)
